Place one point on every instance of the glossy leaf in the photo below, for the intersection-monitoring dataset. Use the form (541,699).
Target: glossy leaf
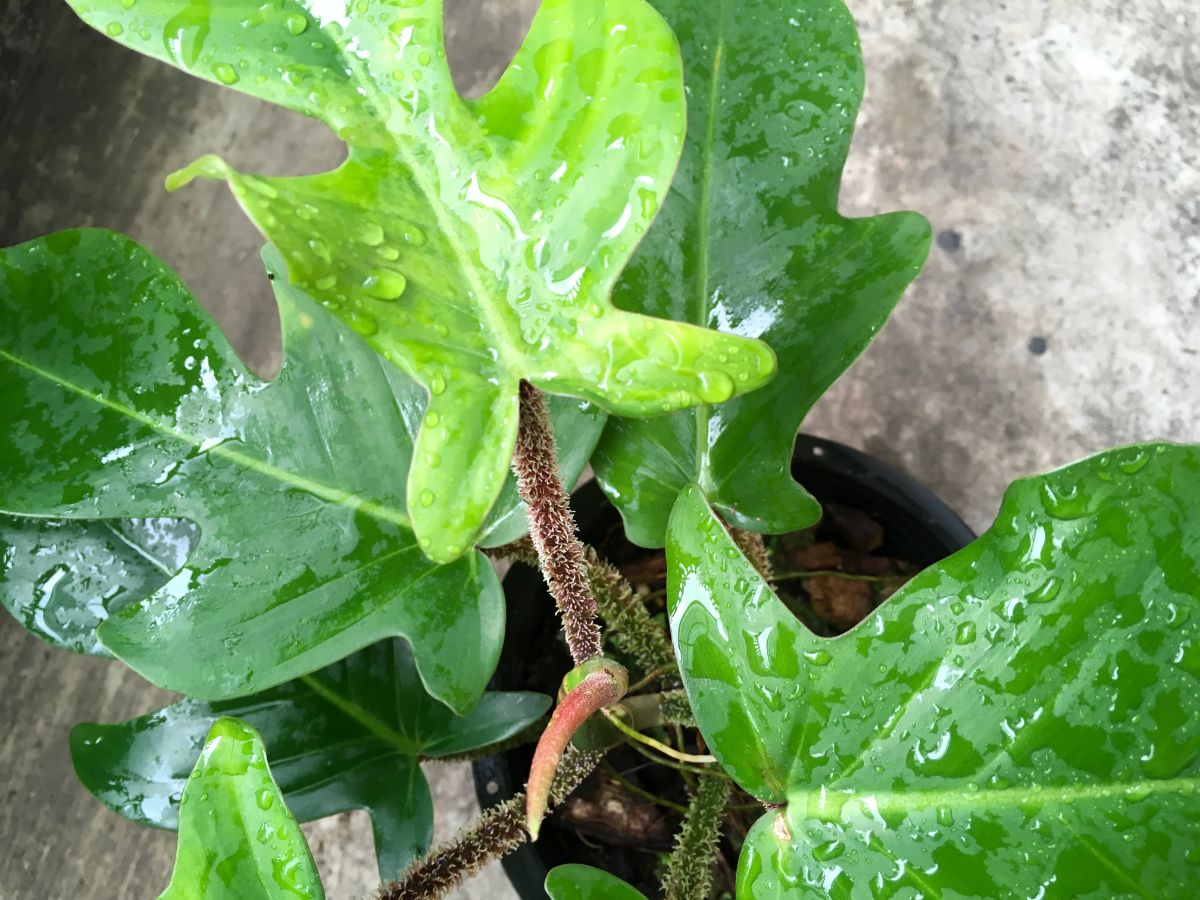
(61,578)
(577,882)
(1022,719)
(237,840)
(122,399)
(476,243)
(347,737)
(750,241)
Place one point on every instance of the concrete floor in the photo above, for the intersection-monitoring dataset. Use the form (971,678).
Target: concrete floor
(1053,144)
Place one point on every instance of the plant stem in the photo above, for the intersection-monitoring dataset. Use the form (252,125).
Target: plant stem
(657,745)
(552,527)
(498,831)
(690,870)
(643,793)
(631,628)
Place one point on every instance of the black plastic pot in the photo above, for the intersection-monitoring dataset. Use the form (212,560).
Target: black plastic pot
(919,528)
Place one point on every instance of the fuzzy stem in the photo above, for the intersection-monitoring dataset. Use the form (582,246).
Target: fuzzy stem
(755,549)
(604,685)
(552,527)
(499,831)
(675,708)
(631,628)
(690,870)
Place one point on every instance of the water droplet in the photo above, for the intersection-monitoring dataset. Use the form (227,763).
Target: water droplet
(715,387)
(437,385)
(432,419)
(966,633)
(226,74)
(828,850)
(326,282)
(364,323)
(371,234)
(818,657)
(1046,592)
(264,798)
(297,24)
(427,499)
(385,284)
(114,29)
(945,816)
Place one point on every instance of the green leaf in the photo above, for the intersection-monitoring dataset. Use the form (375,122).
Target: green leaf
(476,243)
(347,737)
(750,241)
(122,399)
(576,882)
(237,840)
(61,578)
(1022,719)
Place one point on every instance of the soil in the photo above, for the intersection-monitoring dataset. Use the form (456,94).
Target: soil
(624,818)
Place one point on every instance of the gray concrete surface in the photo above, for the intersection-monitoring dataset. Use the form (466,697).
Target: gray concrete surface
(1053,144)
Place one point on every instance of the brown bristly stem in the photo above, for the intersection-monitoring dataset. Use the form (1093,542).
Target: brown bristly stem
(604,684)
(690,870)
(705,760)
(552,527)
(630,626)
(754,549)
(498,831)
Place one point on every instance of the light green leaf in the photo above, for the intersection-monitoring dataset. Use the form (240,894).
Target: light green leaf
(1022,719)
(122,400)
(237,840)
(576,882)
(750,241)
(347,737)
(474,244)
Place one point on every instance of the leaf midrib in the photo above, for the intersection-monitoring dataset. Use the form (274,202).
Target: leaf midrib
(325,492)
(702,237)
(816,804)
(372,723)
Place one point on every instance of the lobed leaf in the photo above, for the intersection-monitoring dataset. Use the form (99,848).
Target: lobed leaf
(474,244)
(1022,719)
(122,400)
(750,241)
(578,882)
(237,840)
(350,736)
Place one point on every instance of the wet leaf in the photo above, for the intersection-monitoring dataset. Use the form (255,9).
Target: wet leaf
(750,241)
(237,840)
(61,578)
(122,399)
(476,243)
(576,882)
(347,737)
(1022,719)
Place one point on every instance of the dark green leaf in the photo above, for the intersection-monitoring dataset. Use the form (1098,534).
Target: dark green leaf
(750,241)
(476,243)
(1022,719)
(237,840)
(347,737)
(122,399)
(61,578)
(576,882)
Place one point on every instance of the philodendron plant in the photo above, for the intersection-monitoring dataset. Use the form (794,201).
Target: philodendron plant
(627,253)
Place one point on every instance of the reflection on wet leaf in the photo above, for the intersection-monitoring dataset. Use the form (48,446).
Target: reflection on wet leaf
(1022,719)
